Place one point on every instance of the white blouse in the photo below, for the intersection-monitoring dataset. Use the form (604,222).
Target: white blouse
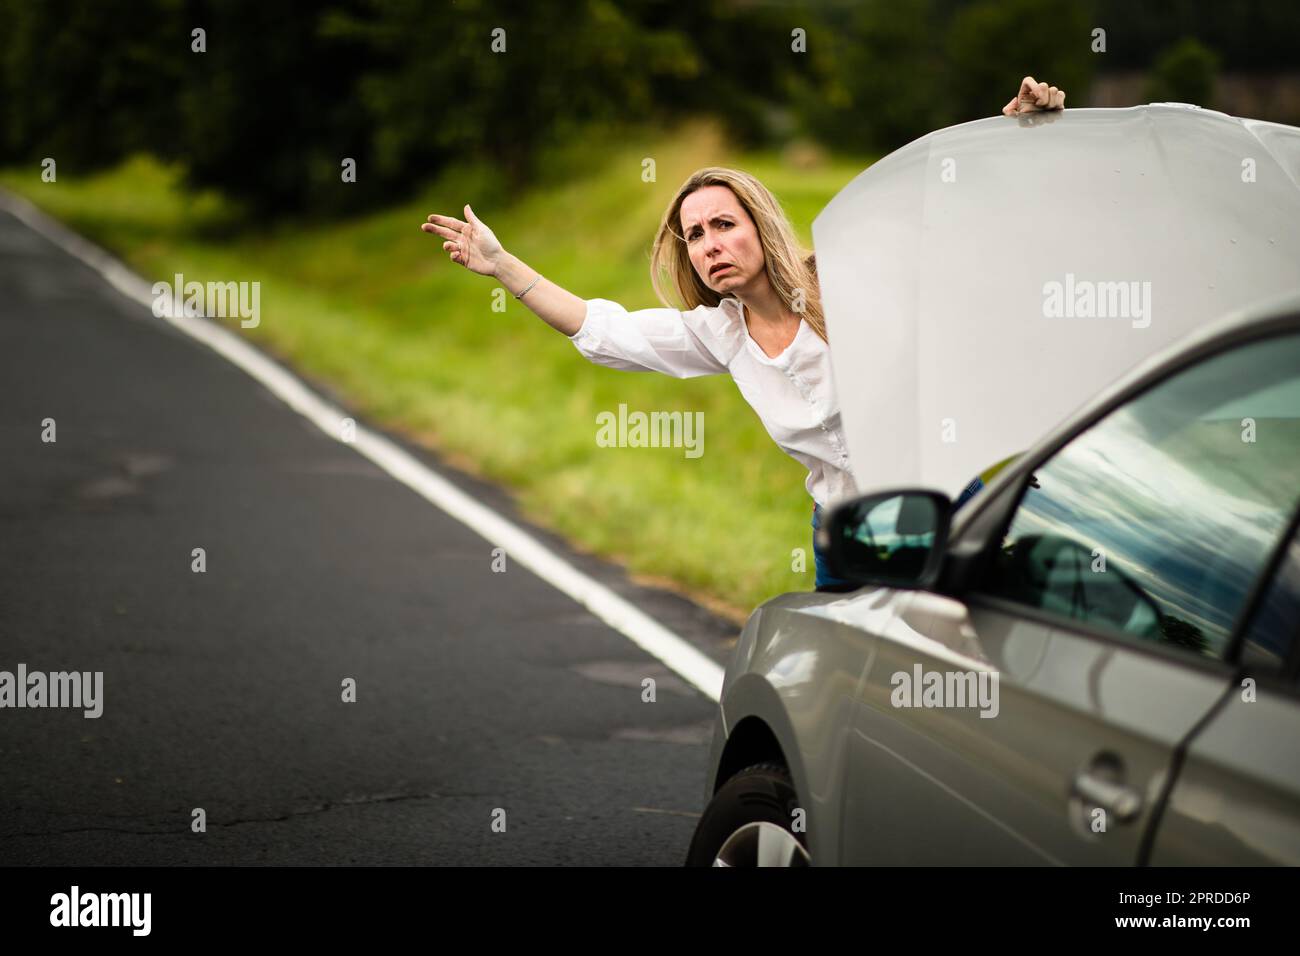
(793,394)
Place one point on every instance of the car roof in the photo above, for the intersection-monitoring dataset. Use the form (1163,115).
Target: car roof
(939,265)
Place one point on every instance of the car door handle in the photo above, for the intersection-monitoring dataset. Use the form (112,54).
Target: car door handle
(1121,802)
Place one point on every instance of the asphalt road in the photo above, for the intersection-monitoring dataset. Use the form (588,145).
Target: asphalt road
(475,691)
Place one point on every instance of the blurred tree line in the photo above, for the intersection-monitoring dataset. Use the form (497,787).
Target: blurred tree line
(285,90)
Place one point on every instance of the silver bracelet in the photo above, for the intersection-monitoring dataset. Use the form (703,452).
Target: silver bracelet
(530,285)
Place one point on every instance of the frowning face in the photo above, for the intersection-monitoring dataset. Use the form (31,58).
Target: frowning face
(721,240)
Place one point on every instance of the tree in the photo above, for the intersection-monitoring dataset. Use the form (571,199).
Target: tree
(1184,73)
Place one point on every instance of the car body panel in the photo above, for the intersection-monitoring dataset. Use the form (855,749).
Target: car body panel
(936,259)
(797,667)
(998,791)
(1235,798)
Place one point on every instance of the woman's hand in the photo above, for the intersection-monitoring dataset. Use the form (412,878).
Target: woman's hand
(1034,96)
(472,244)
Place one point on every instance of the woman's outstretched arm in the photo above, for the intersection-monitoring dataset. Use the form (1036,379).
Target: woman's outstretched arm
(653,340)
(473,245)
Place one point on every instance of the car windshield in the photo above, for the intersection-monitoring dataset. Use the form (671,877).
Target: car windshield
(1179,496)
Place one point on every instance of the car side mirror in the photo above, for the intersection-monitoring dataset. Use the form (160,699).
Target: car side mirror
(893,538)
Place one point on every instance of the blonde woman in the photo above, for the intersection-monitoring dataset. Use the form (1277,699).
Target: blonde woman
(752,310)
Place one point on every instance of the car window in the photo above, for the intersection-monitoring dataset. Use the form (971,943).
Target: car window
(1271,634)
(1156,522)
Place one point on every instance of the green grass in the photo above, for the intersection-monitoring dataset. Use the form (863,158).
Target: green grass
(373,306)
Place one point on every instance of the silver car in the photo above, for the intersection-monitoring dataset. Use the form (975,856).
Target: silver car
(1094,660)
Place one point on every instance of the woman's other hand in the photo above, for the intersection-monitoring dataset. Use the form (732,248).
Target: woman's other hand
(1034,96)
(470,243)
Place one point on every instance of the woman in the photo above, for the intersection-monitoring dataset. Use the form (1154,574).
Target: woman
(755,311)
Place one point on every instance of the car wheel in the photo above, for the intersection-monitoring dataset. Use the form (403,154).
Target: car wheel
(749,822)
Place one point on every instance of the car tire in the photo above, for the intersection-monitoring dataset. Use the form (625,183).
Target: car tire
(749,822)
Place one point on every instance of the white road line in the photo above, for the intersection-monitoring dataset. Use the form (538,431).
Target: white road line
(676,653)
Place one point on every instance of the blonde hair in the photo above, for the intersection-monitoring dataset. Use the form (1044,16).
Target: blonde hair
(790,268)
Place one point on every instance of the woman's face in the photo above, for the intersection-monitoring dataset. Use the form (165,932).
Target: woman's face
(721,239)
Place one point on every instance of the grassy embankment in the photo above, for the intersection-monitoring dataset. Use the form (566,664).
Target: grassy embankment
(372,306)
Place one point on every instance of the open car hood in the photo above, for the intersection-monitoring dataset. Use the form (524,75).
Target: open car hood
(983,282)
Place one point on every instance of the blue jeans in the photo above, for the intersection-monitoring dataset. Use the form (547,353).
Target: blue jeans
(970,491)
(824,576)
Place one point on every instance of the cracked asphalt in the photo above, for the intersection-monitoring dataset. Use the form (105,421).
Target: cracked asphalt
(475,691)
